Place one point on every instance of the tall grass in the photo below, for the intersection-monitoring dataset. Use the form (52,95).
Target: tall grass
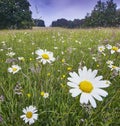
(72,48)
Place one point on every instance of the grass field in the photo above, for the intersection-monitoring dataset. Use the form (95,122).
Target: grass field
(72,49)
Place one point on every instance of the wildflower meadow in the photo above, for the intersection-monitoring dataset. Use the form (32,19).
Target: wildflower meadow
(60,77)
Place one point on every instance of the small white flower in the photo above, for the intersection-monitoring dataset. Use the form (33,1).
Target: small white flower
(109,62)
(10,54)
(101,48)
(1,50)
(55,47)
(10,48)
(94,58)
(45,56)
(21,58)
(29,114)
(115,49)
(14,69)
(88,85)
(46,95)
(113,67)
(108,46)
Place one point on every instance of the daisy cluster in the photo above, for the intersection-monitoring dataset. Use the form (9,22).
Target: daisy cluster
(109,50)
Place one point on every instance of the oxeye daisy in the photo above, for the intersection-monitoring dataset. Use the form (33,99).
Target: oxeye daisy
(110,62)
(44,94)
(10,54)
(45,56)
(112,48)
(29,114)
(21,59)
(88,85)
(113,67)
(101,48)
(14,69)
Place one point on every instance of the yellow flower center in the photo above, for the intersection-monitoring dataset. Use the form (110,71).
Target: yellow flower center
(115,48)
(114,67)
(45,56)
(86,86)
(42,93)
(101,49)
(14,69)
(29,114)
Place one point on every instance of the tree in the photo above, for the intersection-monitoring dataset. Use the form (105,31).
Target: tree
(60,23)
(110,13)
(76,23)
(118,17)
(98,14)
(39,23)
(15,14)
(103,15)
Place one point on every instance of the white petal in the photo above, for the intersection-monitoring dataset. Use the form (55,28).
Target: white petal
(44,61)
(31,121)
(75,92)
(98,78)
(24,110)
(92,101)
(72,84)
(35,116)
(118,50)
(96,96)
(85,69)
(10,70)
(112,51)
(101,84)
(26,120)
(84,98)
(94,73)
(101,92)
(22,116)
(74,77)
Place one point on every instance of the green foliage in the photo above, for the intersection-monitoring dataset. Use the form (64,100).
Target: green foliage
(38,23)
(15,14)
(103,15)
(76,23)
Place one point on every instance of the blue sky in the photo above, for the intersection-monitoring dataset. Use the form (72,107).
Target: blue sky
(51,10)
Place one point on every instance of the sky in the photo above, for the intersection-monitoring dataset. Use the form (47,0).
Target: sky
(51,10)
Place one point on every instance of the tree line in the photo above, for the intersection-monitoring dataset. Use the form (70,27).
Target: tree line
(104,14)
(16,14)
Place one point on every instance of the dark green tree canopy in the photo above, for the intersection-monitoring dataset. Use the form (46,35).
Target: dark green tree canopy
(104,14)
(39,23)
(15,14)
(76,23)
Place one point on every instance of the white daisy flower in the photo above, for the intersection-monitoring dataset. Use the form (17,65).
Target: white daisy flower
(14,69)
(10,54)
(45,56)
(46,95)
(109,62)
(115,49)
(88,85)
(112,48)
(108,46)
(29,114)
(21,58)
(101,48)
(113,67)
